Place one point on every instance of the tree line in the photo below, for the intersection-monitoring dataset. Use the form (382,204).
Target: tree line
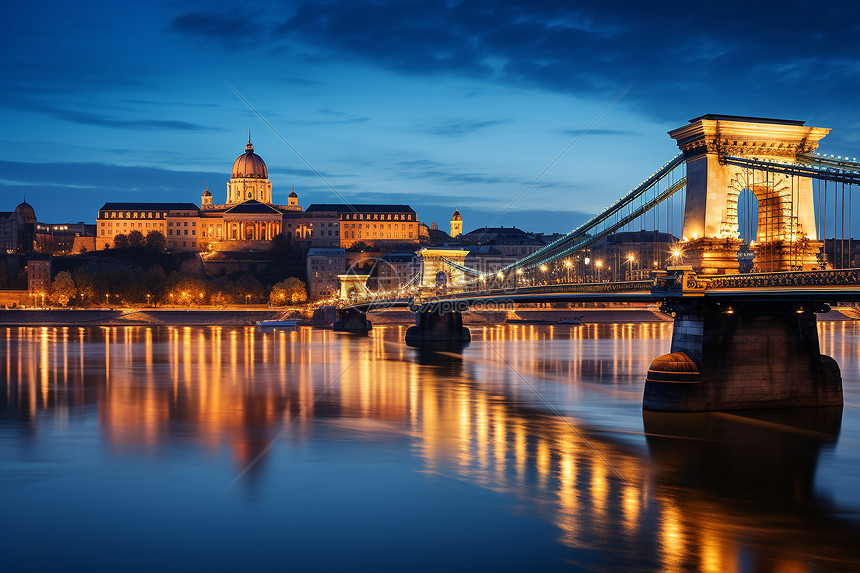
(141,279)
(85,286)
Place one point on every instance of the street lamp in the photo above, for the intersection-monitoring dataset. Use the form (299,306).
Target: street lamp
(148,299)
(598,264)
(107,298)
(568,264)
(631,259)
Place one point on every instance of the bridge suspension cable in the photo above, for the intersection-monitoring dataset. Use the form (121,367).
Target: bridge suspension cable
(609,220)
(459,267)
(822,170)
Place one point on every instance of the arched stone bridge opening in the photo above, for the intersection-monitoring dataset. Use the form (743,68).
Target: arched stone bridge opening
(786,234)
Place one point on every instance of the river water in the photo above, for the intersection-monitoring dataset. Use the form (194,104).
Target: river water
(235,449)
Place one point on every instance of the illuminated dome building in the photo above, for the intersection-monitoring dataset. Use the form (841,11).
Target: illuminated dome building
(249,178)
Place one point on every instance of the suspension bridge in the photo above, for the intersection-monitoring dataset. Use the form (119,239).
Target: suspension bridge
(742,237)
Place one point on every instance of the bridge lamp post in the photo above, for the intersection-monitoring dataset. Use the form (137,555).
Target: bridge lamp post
(517,277)
(567,265)
(501,276)
(543,269)
(598,264)
(631,259)
(587,262)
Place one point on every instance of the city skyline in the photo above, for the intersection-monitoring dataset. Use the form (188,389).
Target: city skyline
(432,105)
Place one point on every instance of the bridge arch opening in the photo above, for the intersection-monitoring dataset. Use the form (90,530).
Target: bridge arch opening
(441,279)
(762,212)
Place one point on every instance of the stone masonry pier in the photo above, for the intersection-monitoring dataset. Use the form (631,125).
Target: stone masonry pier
(744,355)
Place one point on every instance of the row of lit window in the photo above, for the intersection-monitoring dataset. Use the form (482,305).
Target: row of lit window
(126,224)
(380,235)
(131,215)
(367,226)
(179,224)
(377,217)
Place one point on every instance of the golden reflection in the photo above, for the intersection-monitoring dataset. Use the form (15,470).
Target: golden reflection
(44,371)
(458,412)
(671,536)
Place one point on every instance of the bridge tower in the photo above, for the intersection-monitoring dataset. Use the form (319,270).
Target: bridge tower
(786,237)
(436,269)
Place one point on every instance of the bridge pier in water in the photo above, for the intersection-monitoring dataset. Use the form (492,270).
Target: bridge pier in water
(353,321)
(742,355)
(438,328)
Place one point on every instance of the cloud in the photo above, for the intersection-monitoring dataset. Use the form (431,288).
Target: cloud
(88,118)
(231,29)
(342,116)
(427,170)
(689,60)
(461,127)
(594,131)
(48,186)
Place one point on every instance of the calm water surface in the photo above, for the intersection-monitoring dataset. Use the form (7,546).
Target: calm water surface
(230,449)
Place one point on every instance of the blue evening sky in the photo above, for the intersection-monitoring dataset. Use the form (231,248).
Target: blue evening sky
(434,104)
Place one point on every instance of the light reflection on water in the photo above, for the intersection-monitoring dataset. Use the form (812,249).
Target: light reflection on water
(219,447)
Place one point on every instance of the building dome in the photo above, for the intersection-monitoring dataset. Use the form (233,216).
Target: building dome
(456,216)
(207,193)
(26,211)
(250,164)
(293,194)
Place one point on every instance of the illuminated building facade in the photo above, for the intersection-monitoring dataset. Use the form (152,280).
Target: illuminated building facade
(324,266)
(39,275)
(374,225)
(248,218)
(178,222)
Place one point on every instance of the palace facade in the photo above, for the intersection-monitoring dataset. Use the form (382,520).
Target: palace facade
(249,216)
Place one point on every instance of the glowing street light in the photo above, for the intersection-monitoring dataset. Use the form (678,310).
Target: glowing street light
(568,264)
(598,264)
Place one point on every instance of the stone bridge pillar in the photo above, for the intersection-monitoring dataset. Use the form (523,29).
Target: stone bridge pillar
(786,237)
(742,355)
(433,327)
(353,321)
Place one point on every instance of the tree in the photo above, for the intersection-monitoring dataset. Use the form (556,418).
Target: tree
(155,242)
(154,282)
(63,288)
(222,291)
(83,280)
(250,289)
(291,290)
(296,289)
(358,247)
(135,239)
(120,241)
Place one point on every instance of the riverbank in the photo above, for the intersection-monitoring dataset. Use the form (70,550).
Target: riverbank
(134,317)
(240,317)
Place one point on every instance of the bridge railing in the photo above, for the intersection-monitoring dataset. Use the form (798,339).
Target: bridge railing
(842,277)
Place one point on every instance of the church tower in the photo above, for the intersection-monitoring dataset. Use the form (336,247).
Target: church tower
(206,199)
(293,198)
(456,224)
(250,178)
